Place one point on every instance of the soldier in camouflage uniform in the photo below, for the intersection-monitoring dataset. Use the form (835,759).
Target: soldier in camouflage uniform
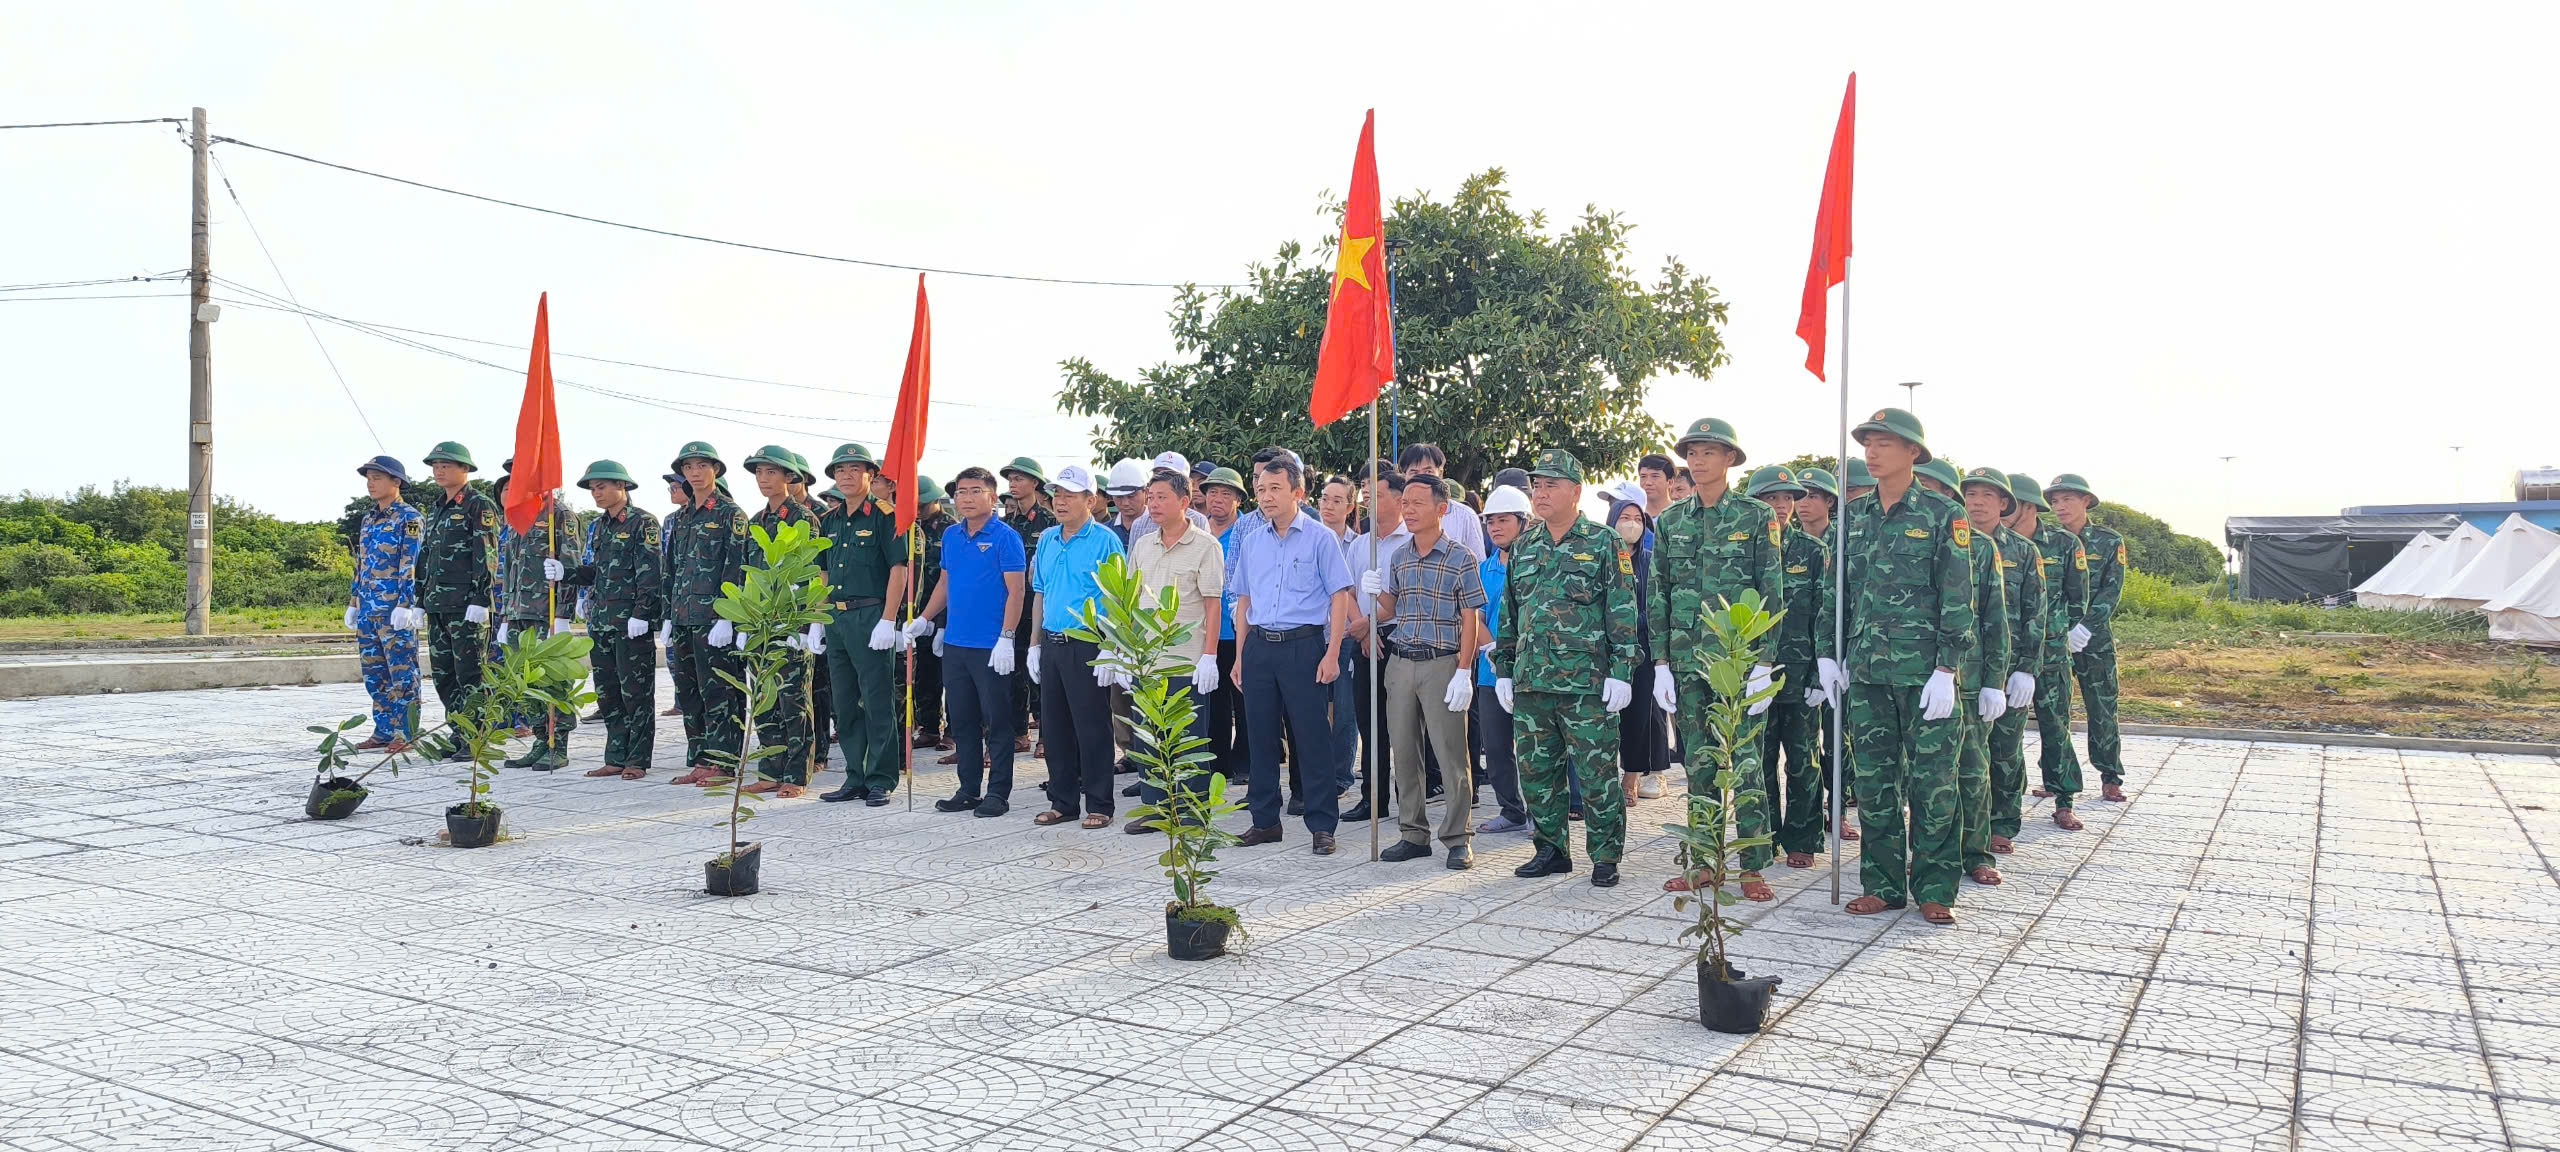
(382,602)
(1910,628)
(1709,547)
(2022,583)
(457,568)
(2092,637)
(788,724)
(866,573)
(1567,649)
(1817,516)
(707,545)
(2066,586)
(531,564)
(626,578)
(1980,697)
(933,514)
(2008,649)
(1795,791)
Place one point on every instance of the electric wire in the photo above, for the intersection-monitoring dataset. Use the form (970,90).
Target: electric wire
(180,274)
(95,123)
(112,296)
(287,285)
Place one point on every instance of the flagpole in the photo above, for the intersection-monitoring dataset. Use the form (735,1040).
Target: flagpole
(1377,716)
(906,614)
(1840,593)
(551,591)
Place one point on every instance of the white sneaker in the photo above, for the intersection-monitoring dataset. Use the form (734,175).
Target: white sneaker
(1652,786)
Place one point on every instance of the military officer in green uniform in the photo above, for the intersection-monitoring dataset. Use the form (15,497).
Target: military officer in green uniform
(1562,668)
(2092,638)
(1028,487)
(707,546)
(1795,790)
(867,573)
(625,576)
(531,565)
(2066,597)
(1910,629)
(457,574)
(1709,547)
(777,470)
(2006,691)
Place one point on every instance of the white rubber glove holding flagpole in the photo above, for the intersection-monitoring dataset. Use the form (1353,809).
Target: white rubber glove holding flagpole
(1938,696)
(1835,683)
(816,641)
(551,569)
(1665,693)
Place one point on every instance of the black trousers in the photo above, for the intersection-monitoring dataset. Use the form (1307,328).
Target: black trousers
(1024,691)
(1075,724)
(981,708)
(1226,717)
(1281,695)
(929,690)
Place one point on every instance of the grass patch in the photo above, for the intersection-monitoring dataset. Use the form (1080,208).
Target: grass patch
(146,625)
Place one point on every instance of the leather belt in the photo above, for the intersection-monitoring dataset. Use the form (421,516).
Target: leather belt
(1402,652)
(1284,635)
(859,602)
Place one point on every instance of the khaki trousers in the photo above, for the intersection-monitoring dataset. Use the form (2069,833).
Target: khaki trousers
(1415,709)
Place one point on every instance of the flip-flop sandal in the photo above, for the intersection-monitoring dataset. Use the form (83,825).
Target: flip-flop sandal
(1097,821)
(634,773)
(1053,816)
(1799,859)
(1937,914)
(789,792)
(607,770)
(2064,819)
(760,787)
(1849,833)
(2001,846)
(1757,890)
(1987,877)
(1869,906)
(1676,884)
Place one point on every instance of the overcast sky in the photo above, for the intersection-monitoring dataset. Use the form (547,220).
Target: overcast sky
(2125,243)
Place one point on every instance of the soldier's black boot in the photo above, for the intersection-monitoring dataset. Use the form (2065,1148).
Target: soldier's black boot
(1604,875)
(1550,861)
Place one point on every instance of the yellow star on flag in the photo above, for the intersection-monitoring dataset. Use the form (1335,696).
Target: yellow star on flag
(1347,258)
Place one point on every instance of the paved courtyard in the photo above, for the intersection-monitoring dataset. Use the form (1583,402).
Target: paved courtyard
(2268,947)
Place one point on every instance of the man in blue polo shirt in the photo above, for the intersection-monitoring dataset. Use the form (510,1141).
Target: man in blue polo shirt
(982,586)
(1293,605)
(1075,702)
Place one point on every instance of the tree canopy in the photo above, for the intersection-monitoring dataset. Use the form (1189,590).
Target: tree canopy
(1509,340)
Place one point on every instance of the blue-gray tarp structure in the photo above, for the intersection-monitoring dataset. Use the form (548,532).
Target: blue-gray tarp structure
(2313,557)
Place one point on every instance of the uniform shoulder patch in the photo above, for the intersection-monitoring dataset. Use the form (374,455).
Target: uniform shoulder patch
(414,527)
(2120,552)
(1626,562)
(2080,559)
(488,518)
(1739,536)
(1777,531)
(1916,533)
(1964,534)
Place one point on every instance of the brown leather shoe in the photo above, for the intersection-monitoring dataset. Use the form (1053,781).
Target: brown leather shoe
(1323,843)
(373,743)
(952,758)
(1254,836)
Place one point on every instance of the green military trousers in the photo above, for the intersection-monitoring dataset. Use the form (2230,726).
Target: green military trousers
(2095,668)
(1973,780)
(1906,784)
(550,732)
(626,684)
(788,725)
(2056,762)
(1559,733)
(1751,769)
(1791,733)
(866,720)
(2009,767)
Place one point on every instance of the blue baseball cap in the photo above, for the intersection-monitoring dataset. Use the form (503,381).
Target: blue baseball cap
(387,465)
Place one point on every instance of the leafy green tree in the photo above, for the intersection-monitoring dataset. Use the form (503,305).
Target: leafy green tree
(1509,339)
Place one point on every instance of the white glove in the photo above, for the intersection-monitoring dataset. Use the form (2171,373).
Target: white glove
(815,640)
(937,645)
(739,642)
(667,632)
(1000,661)
(1502,692)
(1462,689)
(417,619)
(1371,583)
(1938,697)
(479,614)
(551,569)
(351,617)
(561,625)
(635,628)
(2077,638)
(504,630)
(1759,683)
(1991,703)
(1614,695)
(1103,673)
(1815,696)
(884,636)
(721,631)
(1665,694)
(791,642)
(1032,664)
(919,628)
(2022,689)
(1204,674)
(1835,683)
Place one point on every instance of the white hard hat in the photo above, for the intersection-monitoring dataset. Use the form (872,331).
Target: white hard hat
(1507,499)
(1126,477)
(1174,462)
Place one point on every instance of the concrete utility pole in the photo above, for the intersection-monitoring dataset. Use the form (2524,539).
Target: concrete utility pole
(200,401)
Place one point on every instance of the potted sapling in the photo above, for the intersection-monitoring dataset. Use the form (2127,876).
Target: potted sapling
(773,613)
(1142,644)
(1729,1000)
(334,794)
(533,672)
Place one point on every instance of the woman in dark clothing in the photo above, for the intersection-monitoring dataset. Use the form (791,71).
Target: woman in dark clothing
(1644,743)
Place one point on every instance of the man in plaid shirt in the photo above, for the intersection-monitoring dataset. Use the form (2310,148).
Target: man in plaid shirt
(1434,594)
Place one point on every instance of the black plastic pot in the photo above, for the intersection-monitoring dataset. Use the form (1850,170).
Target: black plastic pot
(1739,1005)
(723,877)
(469,831)
(334,798)
(1193,939)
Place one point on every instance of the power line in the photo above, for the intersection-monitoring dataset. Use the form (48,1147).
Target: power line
(180,274)
(420,184)
(125,296)
(95,123)
(307,326)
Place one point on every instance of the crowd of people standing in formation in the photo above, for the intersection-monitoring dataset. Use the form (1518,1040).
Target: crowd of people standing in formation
(1516,642)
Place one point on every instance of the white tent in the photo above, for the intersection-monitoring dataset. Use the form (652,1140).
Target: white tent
(2442,564)
(2388,581)
(2519,545)
(2529,610)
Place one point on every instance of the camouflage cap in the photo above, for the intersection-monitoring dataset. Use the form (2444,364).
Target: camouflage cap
(852,454)
(1940,471)
(1028,467)
(1774,478)
(1897,422)
(1819,480)
(1226,478)
(452,451)
(1557,464)
(606,470)
(2071,482)
(1856,474)
(700,450)
(1711,430)
(2025,488)
(1991,478)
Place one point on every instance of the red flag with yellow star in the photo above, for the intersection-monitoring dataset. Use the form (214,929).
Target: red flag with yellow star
(1358,356)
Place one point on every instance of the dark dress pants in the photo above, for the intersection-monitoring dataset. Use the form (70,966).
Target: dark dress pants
(1075,723)
(1280,689)
(980,704)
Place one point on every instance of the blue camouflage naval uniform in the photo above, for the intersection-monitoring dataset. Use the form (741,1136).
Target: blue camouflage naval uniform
(386,578)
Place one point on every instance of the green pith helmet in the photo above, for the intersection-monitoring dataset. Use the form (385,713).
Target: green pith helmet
(1031,468)
(721,485)
(1775,478)
(1557,464)
(452,450)
(1455,492)
(1897,422)
(928,492)
(1227,478)
(2024,487)
(609,471)
(771,456)
(2070,482)
(1994,479)
(1940,471)
(800,464)
(1856,474)
(700,450)
(1711,430)
(852,454)
(1819,480)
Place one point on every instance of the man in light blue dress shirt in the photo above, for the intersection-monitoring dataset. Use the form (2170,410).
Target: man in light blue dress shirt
(1293,605)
